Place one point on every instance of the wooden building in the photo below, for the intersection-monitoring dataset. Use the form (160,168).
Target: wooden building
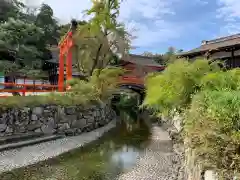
(137,65)
(226,49)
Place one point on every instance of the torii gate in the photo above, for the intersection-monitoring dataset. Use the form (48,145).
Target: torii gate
(65,47)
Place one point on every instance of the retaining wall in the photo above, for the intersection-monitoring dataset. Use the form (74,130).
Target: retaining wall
(53,119)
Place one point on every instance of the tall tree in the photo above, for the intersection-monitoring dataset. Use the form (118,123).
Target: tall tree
(48,23)
(101,38)
(25,36)
(21,38)
(170,55)
(63,29)
(10,9)
(157,57)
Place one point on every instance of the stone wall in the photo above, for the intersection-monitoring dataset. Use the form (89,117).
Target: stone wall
(192,170)
(53,119)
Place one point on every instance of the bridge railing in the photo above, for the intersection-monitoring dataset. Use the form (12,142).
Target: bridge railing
(10,89)
(131,80)
(25,89)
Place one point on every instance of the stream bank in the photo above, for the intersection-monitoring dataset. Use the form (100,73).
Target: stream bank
(131,150)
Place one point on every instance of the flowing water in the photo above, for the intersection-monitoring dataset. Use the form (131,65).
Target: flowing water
(104,159)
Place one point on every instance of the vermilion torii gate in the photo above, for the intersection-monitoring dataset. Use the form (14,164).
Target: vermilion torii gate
(65,47)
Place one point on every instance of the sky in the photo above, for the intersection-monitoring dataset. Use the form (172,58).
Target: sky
(159,24)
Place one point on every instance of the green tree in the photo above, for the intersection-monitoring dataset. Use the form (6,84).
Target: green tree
(21,38)
(10,8)
(169,56)
(101,38)
(63,29)
(157,57)
(49,25)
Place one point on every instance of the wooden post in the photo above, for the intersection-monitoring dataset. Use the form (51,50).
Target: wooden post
(232,58)
(69,65)
(24,88)
(61,72)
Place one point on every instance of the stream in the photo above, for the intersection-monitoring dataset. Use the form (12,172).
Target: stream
(105,159)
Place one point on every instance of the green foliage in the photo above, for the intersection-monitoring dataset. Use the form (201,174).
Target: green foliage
(25,35)
(170,56)
(63,29)
(228,80)
(212,128)
(210,100)
(66,99)
(8,67)
(100,86)
(174,87)
(49,25)
(10,9)
(102,38)
(128,100)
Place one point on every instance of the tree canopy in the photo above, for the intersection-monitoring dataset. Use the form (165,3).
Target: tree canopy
(100,41)
(25,36)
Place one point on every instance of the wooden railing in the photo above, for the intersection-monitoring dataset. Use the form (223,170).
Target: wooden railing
(25,89)
(10,89)
(131,80)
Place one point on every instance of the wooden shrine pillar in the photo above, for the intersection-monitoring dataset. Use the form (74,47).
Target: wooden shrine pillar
(232,58)
(65,52)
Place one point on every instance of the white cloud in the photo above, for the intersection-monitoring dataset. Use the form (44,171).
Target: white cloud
(32,3)
(229,12)
(146,16)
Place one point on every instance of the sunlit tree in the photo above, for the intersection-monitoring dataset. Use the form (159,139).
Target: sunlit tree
(101,38)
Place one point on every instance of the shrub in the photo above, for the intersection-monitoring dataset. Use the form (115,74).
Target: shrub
(212,127)
(229,80)
(106,81)
(174,87)
(100,86)
(210,99)
(51,98)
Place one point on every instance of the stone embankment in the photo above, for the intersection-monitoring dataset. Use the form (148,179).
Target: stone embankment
(95,120)
(28,155)
(53,119)
(191,170)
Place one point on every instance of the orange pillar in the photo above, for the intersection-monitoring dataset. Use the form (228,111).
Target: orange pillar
(69,65)
(61,72)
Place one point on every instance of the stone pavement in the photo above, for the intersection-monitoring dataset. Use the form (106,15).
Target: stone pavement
(158,162)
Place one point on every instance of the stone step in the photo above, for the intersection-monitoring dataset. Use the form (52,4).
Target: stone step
(29,142)
(19,137)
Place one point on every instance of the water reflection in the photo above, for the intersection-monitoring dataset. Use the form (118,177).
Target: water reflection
(126,156)
(115,152)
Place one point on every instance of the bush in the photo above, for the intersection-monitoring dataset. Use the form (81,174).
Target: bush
(212,128)
(229,80)
(174,87)
(210,100)
(100,86)
(52,99)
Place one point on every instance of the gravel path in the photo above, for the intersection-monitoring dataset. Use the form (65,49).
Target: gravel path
(158,162)
(32,154)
